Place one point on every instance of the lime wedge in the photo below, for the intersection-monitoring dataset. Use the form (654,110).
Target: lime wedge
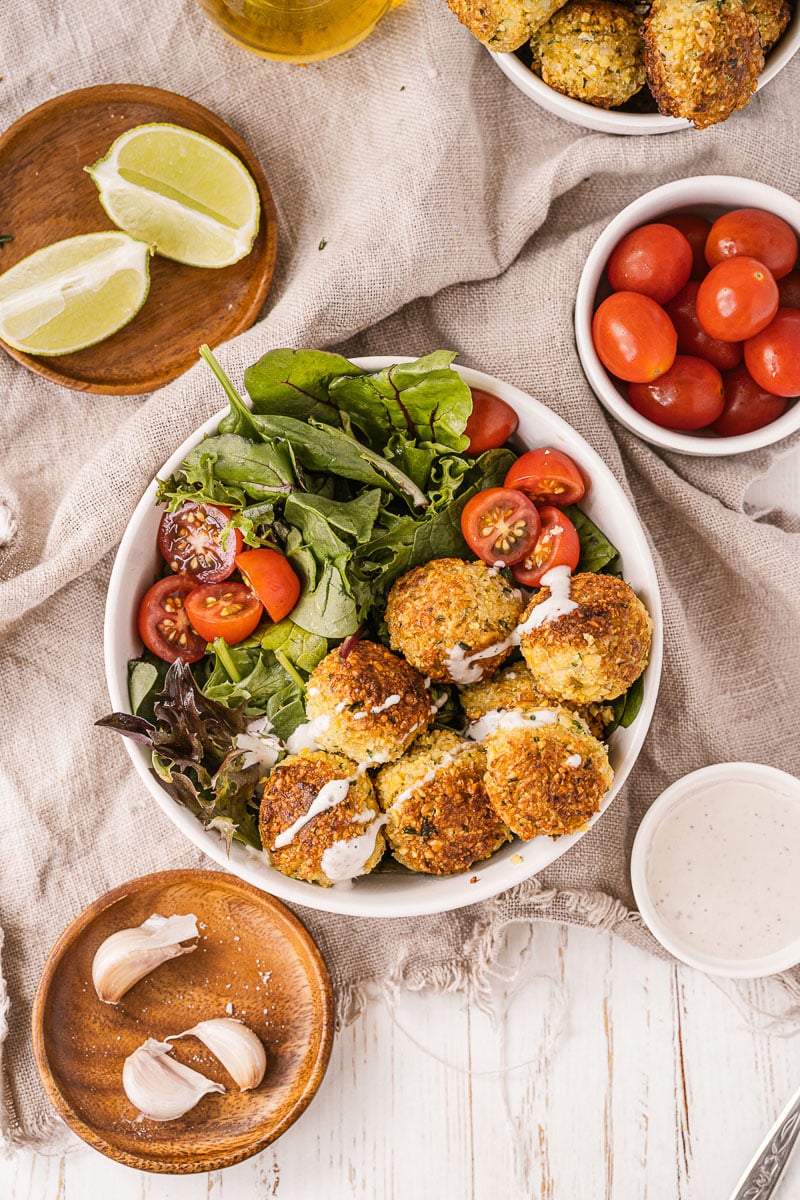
(171,186)
(74,293)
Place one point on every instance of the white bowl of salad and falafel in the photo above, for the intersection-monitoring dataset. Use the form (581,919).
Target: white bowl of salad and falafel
(385,638)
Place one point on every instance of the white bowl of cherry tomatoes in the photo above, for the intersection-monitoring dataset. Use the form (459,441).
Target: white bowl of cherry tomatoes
(687,316)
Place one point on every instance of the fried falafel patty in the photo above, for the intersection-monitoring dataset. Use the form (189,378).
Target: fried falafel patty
(591,50)
(503,25)
(439,819)
(443,614)
(703,59)
(772,17)
(515,688)
(595,651)
(545,773)
(375,701)
(344,836)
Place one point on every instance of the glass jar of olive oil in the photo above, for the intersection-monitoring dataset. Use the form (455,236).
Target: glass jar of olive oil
(299,31)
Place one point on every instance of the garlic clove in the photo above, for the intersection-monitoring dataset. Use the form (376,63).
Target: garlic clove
(235,1045)
(128,955)
(162,1088)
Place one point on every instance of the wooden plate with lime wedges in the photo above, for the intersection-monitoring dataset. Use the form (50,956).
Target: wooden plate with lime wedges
(253,961)
(46,196)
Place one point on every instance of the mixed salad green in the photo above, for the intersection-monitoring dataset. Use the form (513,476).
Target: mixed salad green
(356,477)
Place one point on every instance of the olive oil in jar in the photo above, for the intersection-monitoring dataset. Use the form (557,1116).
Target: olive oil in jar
(298,31)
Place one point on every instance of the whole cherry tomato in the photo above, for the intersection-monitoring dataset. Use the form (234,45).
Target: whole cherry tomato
(500,525)
(198,540)
(773,356)
(164,626)
(692,338)
(225,610)
(272,577)
(789,290)
(747,406)
(757,234)
(689,396)
(633,336)
(547,476)
(696,230)
(737,299)
(655,260)
(558,545)
(490,424)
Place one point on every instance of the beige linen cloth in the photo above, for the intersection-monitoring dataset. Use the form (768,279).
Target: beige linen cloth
(455,214)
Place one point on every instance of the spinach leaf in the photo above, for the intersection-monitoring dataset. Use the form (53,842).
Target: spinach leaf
(328,608)
(322,521)
(597,552)
(304,650)
(626,707)
(424,400)
(295,383)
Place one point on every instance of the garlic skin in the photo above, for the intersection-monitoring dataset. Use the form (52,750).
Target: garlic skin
(128,955)
(235,1045)
(159,1086)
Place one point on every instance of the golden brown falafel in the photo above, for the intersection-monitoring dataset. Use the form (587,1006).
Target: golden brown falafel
(439,819)
(702,59)
(440,614)
(503,25)
(376,701)
(515,688)
(596,651)
(288,794)
(772,17)
(545,773)
(591,50)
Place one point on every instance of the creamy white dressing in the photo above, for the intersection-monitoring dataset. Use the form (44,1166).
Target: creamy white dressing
(496,719)
(722,870)
(305,736)
(574,760)
(345,860)
(465,668)
(259,744)
(445,761)
(389,702)
(329,795)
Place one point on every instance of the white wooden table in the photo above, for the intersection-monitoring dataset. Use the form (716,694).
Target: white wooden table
(613,1076)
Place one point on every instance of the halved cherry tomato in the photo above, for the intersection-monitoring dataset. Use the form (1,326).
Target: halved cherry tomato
(223,610)
(756,233)
(198,540)
(688,396)
(634,338)
(164,624)
(747,406)
(500,525)
(696,230)
(693,339)
(491,422)
(548,476)
(773,356)
(558,545)
(271,576)
(737,299)
(654,260)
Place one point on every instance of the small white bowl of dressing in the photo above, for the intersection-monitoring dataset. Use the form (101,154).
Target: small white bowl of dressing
(715,869)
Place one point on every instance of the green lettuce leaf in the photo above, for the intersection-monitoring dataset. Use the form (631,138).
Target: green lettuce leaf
(294,383)
(597,552)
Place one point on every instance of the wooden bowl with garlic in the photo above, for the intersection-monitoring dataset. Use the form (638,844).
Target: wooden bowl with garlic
(183,1022)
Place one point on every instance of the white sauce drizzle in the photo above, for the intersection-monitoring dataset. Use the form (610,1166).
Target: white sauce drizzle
(329,795)
(305,736)
(344,860)
(259,744)
(465,668)
(445,761)
(574,760)
(389,702)
(496,719)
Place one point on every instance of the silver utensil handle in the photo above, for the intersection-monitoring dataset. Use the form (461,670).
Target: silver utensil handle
(763,1173)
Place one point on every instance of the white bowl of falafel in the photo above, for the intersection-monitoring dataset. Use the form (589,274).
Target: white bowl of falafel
(637,68)
(441,815)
